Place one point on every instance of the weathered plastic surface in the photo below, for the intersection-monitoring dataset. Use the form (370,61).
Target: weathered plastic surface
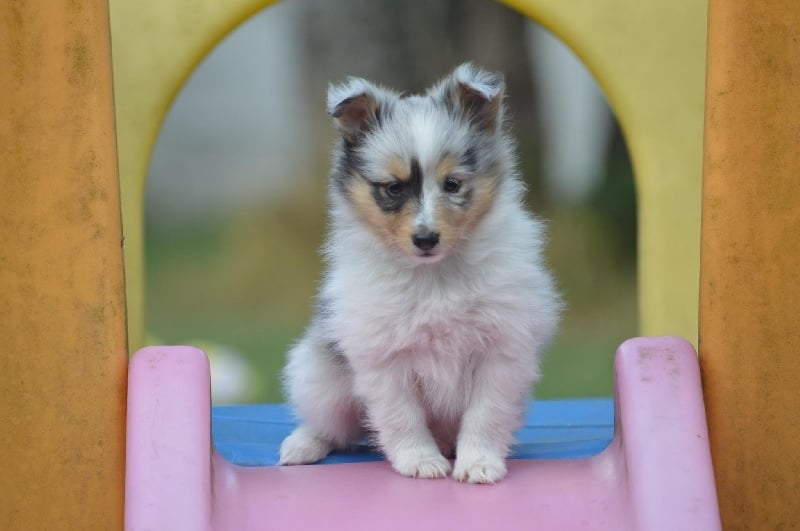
(655,475)
(63,359)
(749,289)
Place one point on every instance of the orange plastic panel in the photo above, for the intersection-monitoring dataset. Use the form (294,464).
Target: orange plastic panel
(750,293)
(62,311)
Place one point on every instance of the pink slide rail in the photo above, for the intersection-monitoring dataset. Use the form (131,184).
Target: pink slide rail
(655,476)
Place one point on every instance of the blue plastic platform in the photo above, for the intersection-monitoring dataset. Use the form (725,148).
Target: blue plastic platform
(554,429)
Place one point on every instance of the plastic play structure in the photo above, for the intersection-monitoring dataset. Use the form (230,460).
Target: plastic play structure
(93,441)
(656,473)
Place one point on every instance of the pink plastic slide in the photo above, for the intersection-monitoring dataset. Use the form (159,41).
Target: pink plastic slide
(655,475)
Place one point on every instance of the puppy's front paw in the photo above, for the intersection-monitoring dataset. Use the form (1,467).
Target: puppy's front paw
(303,447)
(484,468)
(428,464)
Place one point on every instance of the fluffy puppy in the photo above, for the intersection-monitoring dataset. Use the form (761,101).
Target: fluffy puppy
(436,303)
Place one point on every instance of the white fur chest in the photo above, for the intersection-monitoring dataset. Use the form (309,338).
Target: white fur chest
(439,315)
(402,314)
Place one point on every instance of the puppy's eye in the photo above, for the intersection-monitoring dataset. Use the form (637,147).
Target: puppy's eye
(393,189)
(451,185)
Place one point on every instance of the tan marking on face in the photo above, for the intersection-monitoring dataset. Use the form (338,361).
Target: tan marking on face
(451,218)
(398,168)
(446,166)
(456,222)
(395,228)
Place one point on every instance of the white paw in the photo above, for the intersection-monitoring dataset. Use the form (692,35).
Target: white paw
(427,464)
(303,447)
(480,468)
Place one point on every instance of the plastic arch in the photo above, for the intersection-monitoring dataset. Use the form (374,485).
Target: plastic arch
(649,57)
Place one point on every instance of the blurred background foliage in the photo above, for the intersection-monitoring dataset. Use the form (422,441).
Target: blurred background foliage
(237,183)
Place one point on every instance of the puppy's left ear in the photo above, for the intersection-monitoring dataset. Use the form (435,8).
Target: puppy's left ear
(478,94)
(353,107)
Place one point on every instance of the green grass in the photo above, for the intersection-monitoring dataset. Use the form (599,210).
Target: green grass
(249,283)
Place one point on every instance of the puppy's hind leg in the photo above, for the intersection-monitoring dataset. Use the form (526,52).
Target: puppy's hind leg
(303,446)
(319,386)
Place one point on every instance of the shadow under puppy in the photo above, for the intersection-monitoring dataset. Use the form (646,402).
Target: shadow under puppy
(436,302)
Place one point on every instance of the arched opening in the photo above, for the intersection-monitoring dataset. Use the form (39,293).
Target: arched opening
(236,189)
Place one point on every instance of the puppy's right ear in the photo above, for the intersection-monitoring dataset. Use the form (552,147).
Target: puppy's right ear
(478,94)
(354,107)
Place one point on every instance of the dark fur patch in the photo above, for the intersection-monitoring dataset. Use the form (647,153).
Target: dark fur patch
(470,159)
(348,163)
(352,158)
(334,348)
(415,179)
(387,203)
(411,190)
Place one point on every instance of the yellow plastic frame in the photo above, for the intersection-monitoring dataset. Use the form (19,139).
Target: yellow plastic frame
(649,57)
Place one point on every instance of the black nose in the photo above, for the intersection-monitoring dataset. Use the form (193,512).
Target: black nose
(425,240)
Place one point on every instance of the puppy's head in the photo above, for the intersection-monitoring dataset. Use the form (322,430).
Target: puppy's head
(421,171)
